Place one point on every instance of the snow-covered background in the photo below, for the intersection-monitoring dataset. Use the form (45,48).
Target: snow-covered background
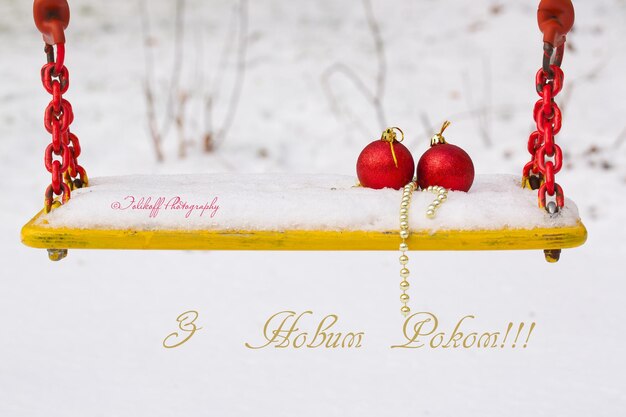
(83,337)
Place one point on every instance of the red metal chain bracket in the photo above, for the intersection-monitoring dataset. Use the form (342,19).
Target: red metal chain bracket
(52,18)
(556,18)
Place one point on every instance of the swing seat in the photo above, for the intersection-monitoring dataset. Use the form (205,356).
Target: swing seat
(296,212)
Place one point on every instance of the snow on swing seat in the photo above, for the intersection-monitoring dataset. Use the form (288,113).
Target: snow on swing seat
(296,212)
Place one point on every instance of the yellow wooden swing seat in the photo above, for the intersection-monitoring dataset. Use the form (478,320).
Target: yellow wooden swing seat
(40,236)
(269,212)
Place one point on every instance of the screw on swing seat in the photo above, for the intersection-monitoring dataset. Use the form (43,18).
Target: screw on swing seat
(552,255)
(56,255)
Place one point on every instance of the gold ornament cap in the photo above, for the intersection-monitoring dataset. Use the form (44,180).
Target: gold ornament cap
(438,138)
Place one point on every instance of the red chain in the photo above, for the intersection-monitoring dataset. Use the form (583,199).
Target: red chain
(66,173)
(52,18)
(540,172)
(556,18)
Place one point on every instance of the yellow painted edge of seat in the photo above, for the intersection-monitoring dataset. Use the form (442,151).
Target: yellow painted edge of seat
(37,236)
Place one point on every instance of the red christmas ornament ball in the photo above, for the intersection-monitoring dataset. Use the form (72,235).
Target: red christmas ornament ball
(447,166)
(377,169)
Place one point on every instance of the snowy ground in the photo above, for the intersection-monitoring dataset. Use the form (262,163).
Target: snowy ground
(84,336)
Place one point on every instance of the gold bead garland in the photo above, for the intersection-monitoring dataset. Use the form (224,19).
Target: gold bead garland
(404,234)
(442,196)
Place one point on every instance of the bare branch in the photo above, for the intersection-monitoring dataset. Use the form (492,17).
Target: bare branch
(587,77)
(178,101)
(426,124)
(173,90)
(382,64)
(335,104)
(148,77)
(620,139)
(242,48)
(481,116)
(152,124)
(208,138)
(341,68)
(227,48)
(488,98)
(374,96)
(180,125)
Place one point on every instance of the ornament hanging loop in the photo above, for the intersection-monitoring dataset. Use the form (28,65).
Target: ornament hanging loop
(438,138)
(389,135)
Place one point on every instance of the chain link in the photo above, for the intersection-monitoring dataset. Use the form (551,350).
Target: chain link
(66,173)
(556,19)
(547,157)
